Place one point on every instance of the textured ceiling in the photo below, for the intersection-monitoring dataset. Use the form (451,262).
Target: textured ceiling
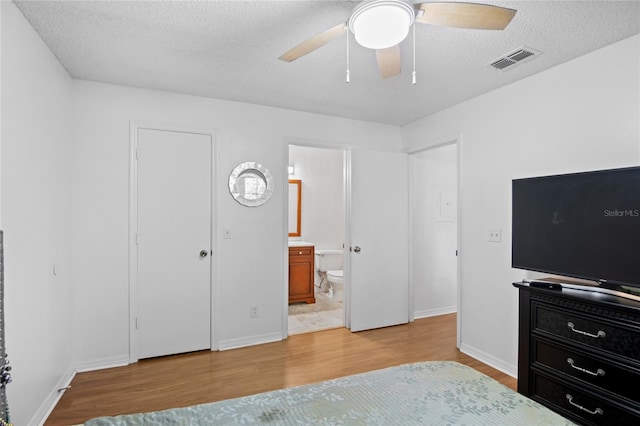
(229,50)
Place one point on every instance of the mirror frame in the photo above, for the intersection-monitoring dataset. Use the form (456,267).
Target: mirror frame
(298,183)
(257,169)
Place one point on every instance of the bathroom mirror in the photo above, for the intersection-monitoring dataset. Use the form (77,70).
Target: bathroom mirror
(251,184)
(295,207)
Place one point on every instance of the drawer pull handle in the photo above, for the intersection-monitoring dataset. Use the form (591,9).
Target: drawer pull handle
(586,410)
(599,372)
(584,333)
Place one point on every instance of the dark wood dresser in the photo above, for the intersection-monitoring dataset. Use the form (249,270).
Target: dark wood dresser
(579,354)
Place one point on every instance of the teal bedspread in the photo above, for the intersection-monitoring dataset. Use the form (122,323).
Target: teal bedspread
(425,393)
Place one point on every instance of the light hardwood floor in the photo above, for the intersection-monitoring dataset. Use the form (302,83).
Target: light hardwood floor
(195,378)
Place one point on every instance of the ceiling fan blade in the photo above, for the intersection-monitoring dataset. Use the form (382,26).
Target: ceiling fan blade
(465,15)
(389,61)
(313,43)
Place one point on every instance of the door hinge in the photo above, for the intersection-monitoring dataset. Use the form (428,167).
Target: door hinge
(137,323)
(137,239)
(137,154)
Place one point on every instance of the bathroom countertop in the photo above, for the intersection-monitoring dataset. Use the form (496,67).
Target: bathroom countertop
(300,244)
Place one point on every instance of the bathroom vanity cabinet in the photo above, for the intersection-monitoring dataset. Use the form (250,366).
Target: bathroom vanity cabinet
(301,274)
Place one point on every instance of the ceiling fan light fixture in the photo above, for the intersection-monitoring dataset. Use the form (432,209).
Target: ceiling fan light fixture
(380,24)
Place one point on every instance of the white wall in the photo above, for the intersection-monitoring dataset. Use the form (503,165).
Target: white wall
(36,214)
(578,116)
(100,209)
(321,171)
(65,191)
(435,236)
(0,118)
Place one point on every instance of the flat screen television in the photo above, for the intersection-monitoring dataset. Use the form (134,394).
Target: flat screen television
(582,225)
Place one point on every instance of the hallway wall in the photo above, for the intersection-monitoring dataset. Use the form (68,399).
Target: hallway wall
(435,234)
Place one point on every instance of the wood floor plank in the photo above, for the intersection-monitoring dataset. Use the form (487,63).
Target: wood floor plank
(200,377)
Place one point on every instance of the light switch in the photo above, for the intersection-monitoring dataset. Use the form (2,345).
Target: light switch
(226,233)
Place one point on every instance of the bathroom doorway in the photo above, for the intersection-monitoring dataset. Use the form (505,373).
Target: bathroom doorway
(434,223)
(320,172)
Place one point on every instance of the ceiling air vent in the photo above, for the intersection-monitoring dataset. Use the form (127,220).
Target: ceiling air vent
(515,57)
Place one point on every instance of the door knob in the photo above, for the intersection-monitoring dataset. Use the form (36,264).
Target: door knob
(357,249)
(203,254)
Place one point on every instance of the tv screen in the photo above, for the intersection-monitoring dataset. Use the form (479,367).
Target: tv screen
(583,225)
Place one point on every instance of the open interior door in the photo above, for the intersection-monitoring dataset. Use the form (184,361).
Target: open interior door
(379,240)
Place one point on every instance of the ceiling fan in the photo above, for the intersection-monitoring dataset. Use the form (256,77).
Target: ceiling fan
(382,24)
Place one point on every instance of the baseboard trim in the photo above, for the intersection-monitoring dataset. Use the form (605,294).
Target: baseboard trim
(56,393)
(435,312)
(242,342)
(52,399)
(102,363)
(490,360)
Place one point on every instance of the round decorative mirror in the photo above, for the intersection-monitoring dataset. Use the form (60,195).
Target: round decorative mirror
(251,184)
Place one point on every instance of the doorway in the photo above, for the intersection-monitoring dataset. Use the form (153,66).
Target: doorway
(375,252)
(171,256)
(434,212)
(320,172)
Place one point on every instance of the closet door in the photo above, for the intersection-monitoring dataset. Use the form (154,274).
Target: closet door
(174,172)
(379,223)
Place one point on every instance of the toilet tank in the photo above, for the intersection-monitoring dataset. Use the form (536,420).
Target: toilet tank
(328,260)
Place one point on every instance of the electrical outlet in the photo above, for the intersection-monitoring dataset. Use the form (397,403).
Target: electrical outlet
(495,235)
(253,311)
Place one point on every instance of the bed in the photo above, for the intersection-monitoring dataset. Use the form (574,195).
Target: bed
(425,393)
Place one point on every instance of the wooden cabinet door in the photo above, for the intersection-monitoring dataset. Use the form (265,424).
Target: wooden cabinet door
(301,274)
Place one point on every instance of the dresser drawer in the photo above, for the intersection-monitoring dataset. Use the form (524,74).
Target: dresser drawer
(596,371)
(589,331)
(589,408)
(300,251)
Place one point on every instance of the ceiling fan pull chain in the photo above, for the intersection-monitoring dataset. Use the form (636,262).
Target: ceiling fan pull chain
(348,72)
(413,80)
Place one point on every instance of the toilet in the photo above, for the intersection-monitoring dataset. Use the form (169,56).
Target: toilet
(329,267)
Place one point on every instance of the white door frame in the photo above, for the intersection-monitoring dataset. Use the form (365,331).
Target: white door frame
(134,126)
(314,143)
(427,146)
